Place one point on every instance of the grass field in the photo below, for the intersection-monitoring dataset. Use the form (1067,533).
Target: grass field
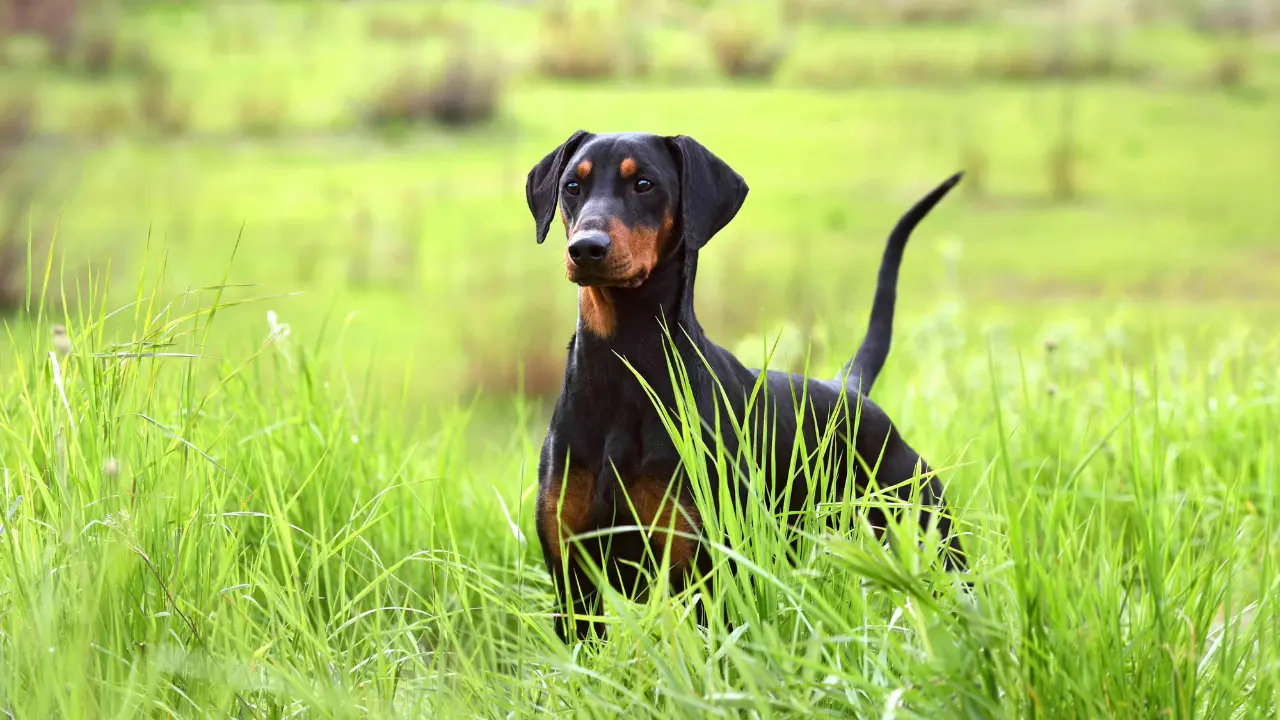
(335,521)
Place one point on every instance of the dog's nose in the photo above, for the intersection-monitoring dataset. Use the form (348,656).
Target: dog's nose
(589,250)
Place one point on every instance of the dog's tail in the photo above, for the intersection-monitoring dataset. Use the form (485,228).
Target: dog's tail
(862,370)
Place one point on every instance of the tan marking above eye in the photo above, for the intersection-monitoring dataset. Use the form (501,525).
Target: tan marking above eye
(584,168)
(627,168)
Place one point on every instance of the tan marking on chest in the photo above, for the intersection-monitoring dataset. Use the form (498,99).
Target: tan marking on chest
(596,308)
(661,510)
(566,506)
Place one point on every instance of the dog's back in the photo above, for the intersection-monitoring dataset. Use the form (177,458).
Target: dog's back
(844,401)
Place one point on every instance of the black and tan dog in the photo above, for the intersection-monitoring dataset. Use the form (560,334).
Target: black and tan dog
(637,208)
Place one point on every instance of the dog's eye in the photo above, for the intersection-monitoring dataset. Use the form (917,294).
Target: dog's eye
(643,185)
(572,188)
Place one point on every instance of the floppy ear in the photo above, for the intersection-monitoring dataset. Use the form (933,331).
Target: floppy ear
(711,192)
(542,188)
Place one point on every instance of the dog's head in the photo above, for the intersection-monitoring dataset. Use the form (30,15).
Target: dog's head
(628,200)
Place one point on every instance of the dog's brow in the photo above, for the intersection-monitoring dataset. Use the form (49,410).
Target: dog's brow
(628,167)
(584,168)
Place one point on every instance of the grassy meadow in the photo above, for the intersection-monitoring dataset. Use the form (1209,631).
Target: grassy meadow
(282,462)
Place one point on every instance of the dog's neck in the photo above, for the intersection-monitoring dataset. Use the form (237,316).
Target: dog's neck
(630,322)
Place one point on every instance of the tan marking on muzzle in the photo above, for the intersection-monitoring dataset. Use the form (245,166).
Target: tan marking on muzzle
(636,251)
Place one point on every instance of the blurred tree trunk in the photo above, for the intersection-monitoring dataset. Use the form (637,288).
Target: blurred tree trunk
(1063,155)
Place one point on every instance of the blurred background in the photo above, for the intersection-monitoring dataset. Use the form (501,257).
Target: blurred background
(1122,159)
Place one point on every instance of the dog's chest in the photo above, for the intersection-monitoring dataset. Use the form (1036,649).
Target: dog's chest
(639,461)
(606,429)
(651,519)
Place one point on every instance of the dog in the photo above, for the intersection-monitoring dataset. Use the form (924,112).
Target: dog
(637,209)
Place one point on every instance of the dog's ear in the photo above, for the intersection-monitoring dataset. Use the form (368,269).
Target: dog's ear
(711,192)
(542,188)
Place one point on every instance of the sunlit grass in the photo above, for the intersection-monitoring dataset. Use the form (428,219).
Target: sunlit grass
(234,501)
(246,530)
(1176,180)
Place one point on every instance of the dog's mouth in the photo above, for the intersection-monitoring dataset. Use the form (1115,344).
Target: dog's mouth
(629,282)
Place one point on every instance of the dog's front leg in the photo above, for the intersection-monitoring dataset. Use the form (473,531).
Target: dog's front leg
(576,595)
(564,498)
(579,601)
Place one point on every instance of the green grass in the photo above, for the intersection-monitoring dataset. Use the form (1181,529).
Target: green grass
(1176,215)
(251,532)
(338,522)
